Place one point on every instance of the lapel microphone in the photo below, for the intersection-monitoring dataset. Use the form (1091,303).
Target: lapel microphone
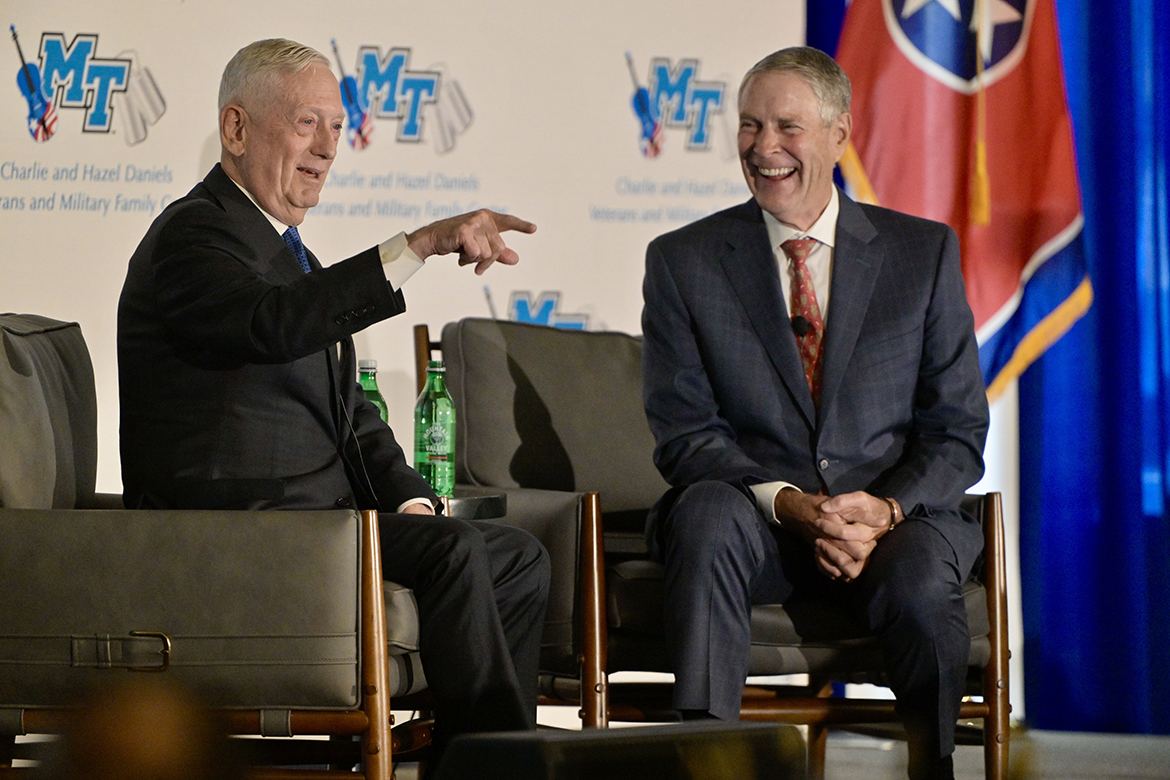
(800,326)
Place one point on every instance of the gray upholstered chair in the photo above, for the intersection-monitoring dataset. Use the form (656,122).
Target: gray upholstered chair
(212,589)
(555,416)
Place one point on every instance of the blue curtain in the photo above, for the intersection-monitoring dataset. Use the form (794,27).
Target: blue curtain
(1095,409)
(1095,533)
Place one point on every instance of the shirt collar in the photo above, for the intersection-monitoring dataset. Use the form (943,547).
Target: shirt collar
(823,230)
(277,225)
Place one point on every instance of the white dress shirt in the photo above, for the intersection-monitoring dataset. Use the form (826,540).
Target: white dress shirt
(820,267)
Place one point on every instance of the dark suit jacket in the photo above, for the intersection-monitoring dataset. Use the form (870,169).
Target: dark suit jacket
(903,410)
(232,391)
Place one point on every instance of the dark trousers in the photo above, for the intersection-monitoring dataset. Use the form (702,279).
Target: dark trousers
(481,590)
(721,557)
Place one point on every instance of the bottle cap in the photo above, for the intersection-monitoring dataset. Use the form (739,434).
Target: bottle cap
(436,365)
(367,365)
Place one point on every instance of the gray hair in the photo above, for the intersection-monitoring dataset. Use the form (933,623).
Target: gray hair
(253,73)
(829,83)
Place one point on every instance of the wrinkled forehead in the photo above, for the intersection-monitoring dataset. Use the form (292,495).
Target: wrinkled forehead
(770,85)
(314,87)
(797,91)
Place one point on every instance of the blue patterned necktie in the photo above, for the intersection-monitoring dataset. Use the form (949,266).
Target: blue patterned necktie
(293,238)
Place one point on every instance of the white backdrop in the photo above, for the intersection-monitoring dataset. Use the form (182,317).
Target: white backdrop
(552,137)
(535,101)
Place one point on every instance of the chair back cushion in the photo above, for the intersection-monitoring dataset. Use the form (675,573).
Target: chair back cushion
(251,610)
(48,414)
(551,408)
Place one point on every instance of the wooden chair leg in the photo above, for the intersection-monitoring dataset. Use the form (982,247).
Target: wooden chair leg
(422,355)
(818,735)
(423,348)
(996,726)
(376,745)
(995,750)
(595,638)
(817,743)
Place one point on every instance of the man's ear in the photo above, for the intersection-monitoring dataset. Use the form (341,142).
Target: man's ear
(842,131)
(232,129)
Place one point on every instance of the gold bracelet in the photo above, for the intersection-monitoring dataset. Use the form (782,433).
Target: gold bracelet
(894,511)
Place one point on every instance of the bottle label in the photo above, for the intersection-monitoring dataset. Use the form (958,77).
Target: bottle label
(436,442)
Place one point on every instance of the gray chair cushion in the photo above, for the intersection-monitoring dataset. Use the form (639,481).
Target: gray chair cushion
(258,609)
(406,671)
(48,452)
(406,675)
(528,413)
(48,413)
(401,618)
(801,637)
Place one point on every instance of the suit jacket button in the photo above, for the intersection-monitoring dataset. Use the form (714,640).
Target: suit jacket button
(344,503)
(824,464)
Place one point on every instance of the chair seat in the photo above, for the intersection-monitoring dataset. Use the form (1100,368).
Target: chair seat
(804,636)
(405,668)
(560,412)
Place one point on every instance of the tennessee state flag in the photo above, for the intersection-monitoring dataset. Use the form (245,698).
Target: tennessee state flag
(960,115)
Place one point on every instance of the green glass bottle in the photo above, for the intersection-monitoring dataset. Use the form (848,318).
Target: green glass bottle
(368,376)
(434,432)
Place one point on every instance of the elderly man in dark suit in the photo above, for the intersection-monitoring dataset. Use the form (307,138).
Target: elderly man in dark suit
(813,386)
(238,381)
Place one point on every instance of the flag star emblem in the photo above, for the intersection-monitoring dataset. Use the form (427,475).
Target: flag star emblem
(985,17)
(988,15)
(914,6)
(966,44)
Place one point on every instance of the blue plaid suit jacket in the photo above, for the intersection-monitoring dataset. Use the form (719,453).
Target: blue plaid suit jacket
(903,409)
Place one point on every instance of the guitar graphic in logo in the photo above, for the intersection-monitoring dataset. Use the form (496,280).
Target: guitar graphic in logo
(360,127)
(42,116)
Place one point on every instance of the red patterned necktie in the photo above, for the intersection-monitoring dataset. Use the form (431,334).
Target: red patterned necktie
(804,305)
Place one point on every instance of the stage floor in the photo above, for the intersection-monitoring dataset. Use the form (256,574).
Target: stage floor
(1035,755)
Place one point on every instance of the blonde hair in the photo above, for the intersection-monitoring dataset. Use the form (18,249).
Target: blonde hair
(829,83)
(254,72)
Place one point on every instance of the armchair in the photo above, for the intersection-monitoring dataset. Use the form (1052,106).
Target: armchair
(544,412)
(277,620)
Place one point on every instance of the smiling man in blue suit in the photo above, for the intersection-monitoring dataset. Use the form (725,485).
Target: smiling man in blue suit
(813,385)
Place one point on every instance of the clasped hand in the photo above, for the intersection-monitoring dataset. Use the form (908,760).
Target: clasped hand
(843,530)
(475,236)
